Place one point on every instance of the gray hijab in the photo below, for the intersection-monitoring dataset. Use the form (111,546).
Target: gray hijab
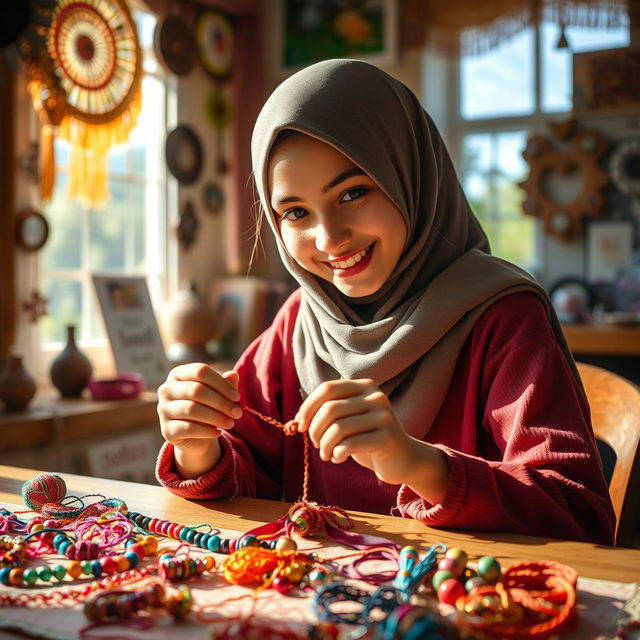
(407,336)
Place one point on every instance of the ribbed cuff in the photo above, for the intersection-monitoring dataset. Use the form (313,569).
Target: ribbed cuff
(411,505)
(212,484)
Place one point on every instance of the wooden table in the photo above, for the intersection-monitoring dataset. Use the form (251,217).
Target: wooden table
(242,514)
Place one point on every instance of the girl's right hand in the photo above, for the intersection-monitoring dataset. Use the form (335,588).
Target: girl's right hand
(195,405)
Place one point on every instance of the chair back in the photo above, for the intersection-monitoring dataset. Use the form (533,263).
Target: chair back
(615,415)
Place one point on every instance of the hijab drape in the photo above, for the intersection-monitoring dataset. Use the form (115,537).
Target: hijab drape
(407,336)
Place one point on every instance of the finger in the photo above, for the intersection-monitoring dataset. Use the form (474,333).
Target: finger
(182,390)
(177,431)
(200,372)
(338,432)
(334,411)
(332,390)
(191,411)
(358,443)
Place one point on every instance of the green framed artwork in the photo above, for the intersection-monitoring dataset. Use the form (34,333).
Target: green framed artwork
(310,32)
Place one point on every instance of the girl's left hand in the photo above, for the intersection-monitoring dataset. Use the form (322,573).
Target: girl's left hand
(355,418)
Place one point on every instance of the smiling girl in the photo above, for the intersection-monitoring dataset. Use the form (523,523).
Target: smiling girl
(432,378)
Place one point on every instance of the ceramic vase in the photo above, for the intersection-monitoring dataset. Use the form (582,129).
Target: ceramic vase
(17,387)
(190,324)
(70,369)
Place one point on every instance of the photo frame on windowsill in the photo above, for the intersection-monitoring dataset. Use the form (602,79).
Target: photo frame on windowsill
(306,34)
(609,246)
(132,327)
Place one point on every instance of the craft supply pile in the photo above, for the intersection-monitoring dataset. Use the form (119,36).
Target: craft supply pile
(130,571)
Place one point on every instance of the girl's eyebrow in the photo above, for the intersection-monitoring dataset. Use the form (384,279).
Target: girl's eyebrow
(341,177)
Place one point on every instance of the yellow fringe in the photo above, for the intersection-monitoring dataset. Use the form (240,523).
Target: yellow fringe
(47,162)
(90,144)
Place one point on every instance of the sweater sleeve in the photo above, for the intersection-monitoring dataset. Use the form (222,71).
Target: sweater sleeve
(251,453)
(534,468)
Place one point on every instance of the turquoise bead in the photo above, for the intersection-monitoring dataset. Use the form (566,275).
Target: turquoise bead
(4,575)
(184,532)
(96,568)
(134,558)
(213,544)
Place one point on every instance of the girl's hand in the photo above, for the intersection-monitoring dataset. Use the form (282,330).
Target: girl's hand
(195,405)
(354,418)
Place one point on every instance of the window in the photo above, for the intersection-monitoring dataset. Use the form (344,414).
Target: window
(502,97)
(128,236)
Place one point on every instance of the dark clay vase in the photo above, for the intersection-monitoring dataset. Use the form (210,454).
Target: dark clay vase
(70,369)
(17,387)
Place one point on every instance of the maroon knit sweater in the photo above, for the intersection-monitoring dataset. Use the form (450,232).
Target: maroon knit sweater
(514,425)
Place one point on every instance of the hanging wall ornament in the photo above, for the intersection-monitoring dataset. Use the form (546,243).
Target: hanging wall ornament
(625,167)
(215,42)
(96,59)
(187,227)
(183,154)
(212,197)
(218,110)
(35,306)
(577,163)
(174,44)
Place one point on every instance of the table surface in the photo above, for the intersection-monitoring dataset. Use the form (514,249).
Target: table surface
(242,514)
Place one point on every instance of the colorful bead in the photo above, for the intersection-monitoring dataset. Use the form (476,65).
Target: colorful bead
(489,568)
(450,590)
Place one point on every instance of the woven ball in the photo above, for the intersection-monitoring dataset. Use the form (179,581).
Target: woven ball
(44,489)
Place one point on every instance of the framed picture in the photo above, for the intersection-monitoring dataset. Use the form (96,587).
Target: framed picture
(609,246)
(606,80)
(131,326)
(309,32)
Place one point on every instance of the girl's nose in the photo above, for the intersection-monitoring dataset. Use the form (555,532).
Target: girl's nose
(331,237)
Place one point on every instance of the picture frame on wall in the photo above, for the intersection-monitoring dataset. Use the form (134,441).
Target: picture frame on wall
(310,32)
(132,327)
(609,246)
(606,80)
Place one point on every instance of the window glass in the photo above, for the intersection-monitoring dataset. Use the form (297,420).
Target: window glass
(64,307)
(63,250)
(108,231)
(499,82)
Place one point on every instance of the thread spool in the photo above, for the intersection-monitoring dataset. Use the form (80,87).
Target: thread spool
(47,488)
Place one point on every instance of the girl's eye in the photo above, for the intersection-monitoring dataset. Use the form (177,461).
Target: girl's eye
(293,214)
(353,194)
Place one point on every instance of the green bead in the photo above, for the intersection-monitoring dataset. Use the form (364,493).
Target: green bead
(440,576)
(86,567)
(30,576)
(489,568)
(44,574)
(59,571)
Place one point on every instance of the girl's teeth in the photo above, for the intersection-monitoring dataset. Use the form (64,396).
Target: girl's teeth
(345,264)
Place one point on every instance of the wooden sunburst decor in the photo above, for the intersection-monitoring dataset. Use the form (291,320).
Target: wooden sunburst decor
(564,219)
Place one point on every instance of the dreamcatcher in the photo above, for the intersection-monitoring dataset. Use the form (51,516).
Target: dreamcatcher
(95,55)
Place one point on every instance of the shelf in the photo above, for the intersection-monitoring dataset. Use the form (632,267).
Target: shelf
(611,340)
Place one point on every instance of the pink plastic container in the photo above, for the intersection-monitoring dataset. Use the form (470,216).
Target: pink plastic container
(122,387)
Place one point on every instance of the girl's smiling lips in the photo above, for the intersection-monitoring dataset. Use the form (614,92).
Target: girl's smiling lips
(351,263)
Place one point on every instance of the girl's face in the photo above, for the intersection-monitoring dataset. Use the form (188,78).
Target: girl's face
(334,220)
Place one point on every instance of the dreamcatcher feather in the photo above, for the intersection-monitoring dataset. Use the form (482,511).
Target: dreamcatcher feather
(96,65)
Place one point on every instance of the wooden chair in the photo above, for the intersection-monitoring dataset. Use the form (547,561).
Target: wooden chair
(615,415)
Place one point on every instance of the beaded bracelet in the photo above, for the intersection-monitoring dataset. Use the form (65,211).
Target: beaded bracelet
(208,542)
(12,550)
(107,565)
(123,604)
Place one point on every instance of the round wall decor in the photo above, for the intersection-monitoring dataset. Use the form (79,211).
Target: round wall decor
(625,167)
(215,42)
(183,153)
(32,229)
(174,45)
